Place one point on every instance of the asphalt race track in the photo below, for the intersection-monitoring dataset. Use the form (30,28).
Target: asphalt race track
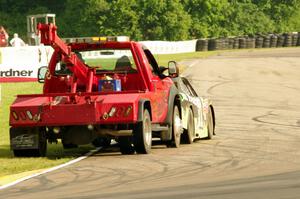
(256,153)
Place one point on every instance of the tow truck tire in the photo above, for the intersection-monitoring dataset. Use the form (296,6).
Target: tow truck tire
(39,152)
(188,134)
(176,129)
(101,142)
(142,134)
(126,145)
(210,124)
(69,146)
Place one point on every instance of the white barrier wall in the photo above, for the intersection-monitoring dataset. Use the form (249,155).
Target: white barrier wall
(22,63)
(170,47)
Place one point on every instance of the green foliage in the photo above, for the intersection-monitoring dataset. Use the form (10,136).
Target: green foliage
(80,18)
(282,13)
(157,19)
(164,20)
(121,19)
(210,17)
(247,19)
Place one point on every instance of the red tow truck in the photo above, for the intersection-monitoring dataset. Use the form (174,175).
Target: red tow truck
(97,89)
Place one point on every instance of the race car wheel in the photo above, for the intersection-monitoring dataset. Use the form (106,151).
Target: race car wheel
(176,129)
(210,124)
(188,134)
(40,151)
(126,145)
(142,134)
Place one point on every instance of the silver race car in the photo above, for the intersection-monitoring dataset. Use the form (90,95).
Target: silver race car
(197,113)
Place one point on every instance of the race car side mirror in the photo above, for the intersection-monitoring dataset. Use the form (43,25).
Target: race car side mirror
(42,74)
(173,69)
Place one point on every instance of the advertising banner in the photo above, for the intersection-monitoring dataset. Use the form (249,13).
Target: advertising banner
(170,47)
(22,63)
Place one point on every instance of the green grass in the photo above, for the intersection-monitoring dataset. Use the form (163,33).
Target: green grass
(164,59)
(8,163)
(106,64)
(55,153)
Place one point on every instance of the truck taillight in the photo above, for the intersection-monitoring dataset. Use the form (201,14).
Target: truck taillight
(29,115)
(128,111)
(112,111)
(119,111)
(15,115)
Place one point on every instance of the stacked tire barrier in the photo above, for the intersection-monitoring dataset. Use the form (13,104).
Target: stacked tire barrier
(266,42)
(273,41)
(287,40)
(236,43)
(230,43)
(259,40)
(202,45)
(250,42)
(246,42)
(294,39)
(242,43)
(280,40)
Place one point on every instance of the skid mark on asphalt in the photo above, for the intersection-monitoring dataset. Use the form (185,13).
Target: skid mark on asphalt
(217,85)
(246,146)
(262,119)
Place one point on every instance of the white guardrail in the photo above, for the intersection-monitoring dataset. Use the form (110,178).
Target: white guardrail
(22,63)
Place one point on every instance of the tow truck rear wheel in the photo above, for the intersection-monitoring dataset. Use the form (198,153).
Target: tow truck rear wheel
(40,151)
(69,146)
(142,134)
(176,129)
(126,145)
(188,134)
(101,142)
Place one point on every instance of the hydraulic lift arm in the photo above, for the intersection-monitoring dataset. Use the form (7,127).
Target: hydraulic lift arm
(48,33)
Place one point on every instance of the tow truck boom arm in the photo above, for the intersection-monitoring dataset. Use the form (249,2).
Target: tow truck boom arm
(48,33)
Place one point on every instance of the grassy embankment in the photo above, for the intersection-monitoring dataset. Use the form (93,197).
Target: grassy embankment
(55,153)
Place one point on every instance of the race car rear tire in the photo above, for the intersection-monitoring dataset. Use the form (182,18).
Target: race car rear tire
(188,134)
(210,124)
(176,129)
(126,145)
(142,134)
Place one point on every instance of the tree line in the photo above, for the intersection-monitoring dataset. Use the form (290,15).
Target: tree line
(157,19)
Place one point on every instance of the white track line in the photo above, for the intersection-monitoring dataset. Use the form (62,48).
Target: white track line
(51,169)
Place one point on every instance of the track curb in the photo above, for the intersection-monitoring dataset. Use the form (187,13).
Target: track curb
(44,171)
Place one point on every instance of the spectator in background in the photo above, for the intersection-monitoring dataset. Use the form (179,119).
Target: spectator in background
(16,41)
(3,37)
